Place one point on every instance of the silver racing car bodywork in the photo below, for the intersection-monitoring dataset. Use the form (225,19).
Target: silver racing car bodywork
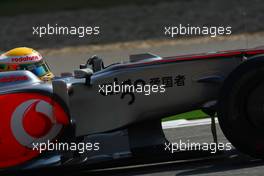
(126,123)
(189,88)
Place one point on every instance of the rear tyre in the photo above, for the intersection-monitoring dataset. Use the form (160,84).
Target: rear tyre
(241,107)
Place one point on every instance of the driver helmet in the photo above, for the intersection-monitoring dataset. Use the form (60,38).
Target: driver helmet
(24,58)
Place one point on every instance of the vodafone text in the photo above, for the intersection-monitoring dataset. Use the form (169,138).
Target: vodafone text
(26,59)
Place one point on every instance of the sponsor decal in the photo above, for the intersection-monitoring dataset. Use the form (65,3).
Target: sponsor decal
(33,120)
(25,59)
(27,118)
(13,78)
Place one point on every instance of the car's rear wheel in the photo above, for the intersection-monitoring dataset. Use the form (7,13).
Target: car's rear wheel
(241,107)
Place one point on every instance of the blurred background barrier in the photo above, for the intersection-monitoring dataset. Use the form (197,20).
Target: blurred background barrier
(120,21)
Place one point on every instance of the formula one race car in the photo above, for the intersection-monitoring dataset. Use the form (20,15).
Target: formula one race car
(118,124)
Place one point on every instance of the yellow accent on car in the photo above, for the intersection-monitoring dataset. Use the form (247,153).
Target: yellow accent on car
(47,77)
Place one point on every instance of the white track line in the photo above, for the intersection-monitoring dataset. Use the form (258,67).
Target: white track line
(186,123)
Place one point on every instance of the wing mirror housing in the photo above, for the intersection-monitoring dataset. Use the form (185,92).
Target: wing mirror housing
(84,73)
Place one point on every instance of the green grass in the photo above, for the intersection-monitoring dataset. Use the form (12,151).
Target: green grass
(192,115)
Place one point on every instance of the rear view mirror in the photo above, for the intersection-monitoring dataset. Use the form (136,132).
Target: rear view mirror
(83,73)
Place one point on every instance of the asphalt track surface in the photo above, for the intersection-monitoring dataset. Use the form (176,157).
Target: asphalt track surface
(229,163)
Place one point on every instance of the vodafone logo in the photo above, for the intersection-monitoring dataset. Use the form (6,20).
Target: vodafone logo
(26,59)
(33,121)
(21,59)
(27,118)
